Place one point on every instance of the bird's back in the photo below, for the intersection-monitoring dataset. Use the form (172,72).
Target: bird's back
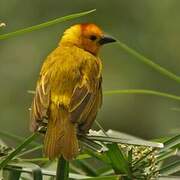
(69,94)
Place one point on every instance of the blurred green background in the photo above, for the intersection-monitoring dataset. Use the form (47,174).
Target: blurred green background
(152,27)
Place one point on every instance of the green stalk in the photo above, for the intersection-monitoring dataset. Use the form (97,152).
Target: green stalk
(18,149)
(62,172)
(46,24)
(15,137)
(29,151)
(36,160)
(148,62)
(142,91)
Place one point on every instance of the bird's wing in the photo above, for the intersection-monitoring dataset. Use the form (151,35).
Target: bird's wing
(79,100)
(85,93)
(90,115)
(40,102)
(84,100)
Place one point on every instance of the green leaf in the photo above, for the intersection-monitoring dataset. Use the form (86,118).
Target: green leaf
(74,176)
(100,127)
(71,175)
(83,156)
(85,141)
(62,169)
(75,169)
(36,160)
(27,141)
(30,166)
(166,154)
(170,169)
(46,24)
(100,156)
(15,137)
(115,177)
(30,150)
(168,177)
(105,170)
(142,91)
(87,167)
(171,143)
(118,160)
(12,174)
(148,62)
(134,141)
(34,169)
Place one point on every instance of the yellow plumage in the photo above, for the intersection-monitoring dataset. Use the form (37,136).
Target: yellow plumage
(68,92)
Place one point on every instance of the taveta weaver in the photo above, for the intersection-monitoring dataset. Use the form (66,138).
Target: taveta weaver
(69,92)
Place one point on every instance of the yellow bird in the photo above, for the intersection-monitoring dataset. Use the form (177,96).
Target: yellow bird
(69,92)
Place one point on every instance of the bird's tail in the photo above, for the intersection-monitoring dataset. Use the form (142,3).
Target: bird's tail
(61,137)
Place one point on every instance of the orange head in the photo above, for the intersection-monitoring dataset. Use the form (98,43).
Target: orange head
(86,36)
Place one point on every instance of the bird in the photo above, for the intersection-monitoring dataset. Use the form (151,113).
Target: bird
(69,90)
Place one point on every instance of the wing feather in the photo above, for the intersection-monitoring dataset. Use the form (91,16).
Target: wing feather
(83,101)
(40,102)
(91,112)
(80,94)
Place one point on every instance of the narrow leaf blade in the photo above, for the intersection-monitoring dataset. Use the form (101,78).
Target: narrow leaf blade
(27,141)
(170,169)
(43,25)
(118,160)
(116,177)
(171,143)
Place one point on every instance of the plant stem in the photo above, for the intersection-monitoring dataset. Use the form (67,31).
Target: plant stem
(46,24)
(62,172)
(29,151)
(148,61)
(16,138)
(142,91)
(27,141)
(100,127)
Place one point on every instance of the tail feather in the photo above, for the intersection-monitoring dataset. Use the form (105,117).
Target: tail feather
(70,142)
(60,138)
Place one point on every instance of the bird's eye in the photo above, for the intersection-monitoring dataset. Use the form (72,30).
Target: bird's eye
(93,37)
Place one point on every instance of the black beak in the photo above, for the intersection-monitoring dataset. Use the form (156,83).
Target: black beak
(106,39)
